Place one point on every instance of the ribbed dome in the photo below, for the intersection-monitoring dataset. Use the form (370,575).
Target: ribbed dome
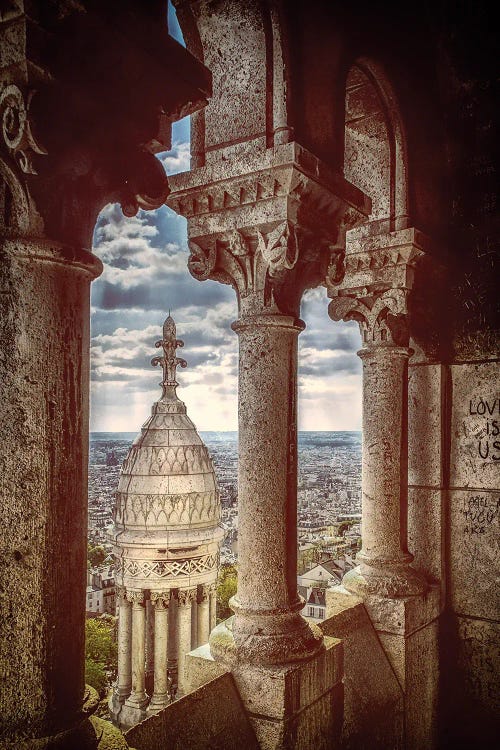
(167,503)
(167,479)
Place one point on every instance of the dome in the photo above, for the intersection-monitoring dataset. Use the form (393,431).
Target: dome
(167,512)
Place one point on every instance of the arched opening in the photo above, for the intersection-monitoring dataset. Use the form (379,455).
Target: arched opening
(375,148)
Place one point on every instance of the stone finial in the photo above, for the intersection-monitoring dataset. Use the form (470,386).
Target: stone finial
(169,361)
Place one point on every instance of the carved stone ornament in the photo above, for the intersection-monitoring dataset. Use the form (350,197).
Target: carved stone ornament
(382,319)
(17,127)
(203,593)
(372,283)
(186,596)
(160,599)
(136,597)
(121,593)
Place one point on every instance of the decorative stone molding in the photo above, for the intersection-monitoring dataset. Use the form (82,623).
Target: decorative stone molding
(121,593)
(204,592)
(268,232)
(160,599)
(168,568)
(374,286)
(166,510)
(135,597)
(17,127)
(160,461)
(186,596)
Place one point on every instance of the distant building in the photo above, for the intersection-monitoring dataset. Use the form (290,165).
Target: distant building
(101,591)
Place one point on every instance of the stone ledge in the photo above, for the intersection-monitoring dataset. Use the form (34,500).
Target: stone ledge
(405,615)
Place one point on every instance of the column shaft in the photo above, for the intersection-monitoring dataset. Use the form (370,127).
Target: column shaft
(124,679)
(160,696)
(138,697)
(203,615)
(185,598)
(268,625)
(212,618)
(44,382)
(385,561)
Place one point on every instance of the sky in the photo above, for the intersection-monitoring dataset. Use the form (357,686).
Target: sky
(145,274)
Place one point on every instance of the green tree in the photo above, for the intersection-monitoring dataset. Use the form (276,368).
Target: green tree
(100,645)
(95,676)
(226,588)
(96,555)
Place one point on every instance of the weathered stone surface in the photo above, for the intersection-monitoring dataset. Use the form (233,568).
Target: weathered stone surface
(213,715)
(475,426)
(474,548)
(426,524)
(373,699)
(425,397)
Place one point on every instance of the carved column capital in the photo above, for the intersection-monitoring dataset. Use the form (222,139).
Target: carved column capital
(160,599)
(372,282)
(186,596)
(135,597)
(269,233)
(121,593)
(203,593)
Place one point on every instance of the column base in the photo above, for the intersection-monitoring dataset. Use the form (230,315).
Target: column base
(265,638)
(157,704)
(290,707)
(390,581)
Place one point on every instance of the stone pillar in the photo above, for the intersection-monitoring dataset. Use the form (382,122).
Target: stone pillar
(384,558)
(269,232)
(44,387)
(268,626)
(160,699)
(212,622)
(173,636)
(185,598)
(124,678)
(137,700)
(203,615)
(402,607)
(384,568)
(194,622)
(150,641)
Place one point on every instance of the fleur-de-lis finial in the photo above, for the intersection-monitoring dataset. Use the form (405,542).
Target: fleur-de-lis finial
(169,361)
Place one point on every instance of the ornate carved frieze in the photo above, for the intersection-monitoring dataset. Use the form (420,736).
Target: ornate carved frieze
(155,569)
(166,510)
(162,460)
(270,232)
(372,282)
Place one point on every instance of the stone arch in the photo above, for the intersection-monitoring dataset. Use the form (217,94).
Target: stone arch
(375,150)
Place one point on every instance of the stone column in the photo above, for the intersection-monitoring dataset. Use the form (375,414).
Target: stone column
(381,311)
(173,639)
(194,623)
(268,626)
(124,678)
(185,598)
(138,698)
(203,615)
(150,640)
(160,699)
(269,232)
(212,622)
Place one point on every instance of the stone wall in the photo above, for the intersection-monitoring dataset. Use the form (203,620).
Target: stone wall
(211,716)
